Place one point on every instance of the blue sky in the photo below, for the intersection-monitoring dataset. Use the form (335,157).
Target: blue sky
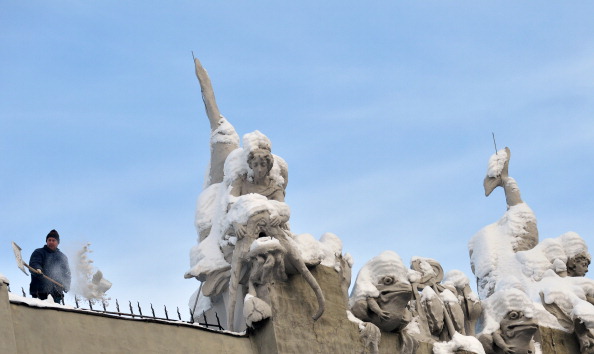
(383,111)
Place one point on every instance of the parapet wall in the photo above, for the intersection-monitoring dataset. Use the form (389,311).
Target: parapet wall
(26,329)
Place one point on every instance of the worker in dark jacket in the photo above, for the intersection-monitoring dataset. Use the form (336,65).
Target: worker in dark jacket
(49,261)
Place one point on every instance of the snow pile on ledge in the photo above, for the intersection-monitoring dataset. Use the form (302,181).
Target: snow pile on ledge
(327,251)
(49,302)
(4,279)
(459,342)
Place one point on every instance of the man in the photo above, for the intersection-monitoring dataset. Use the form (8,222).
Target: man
(49,260)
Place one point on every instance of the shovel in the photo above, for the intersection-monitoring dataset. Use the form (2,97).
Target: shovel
(21,264)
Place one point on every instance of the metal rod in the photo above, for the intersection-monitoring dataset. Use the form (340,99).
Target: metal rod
(153,310)
(166,314)
(178,314)
(131,309)
(139,309)
(117,306)
(23,290)
(218,321)
(494,143)
(90,304)
(76,301)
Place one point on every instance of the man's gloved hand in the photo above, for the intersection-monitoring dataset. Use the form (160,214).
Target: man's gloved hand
(39,271)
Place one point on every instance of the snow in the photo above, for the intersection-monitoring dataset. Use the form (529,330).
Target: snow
(492,256)
(448,297)
(224,133)
(355,320)
(88,282)
(205,207)
(496,162)
(309,248)
(457,279)
(427,294)
(4,279)
(265,243)
(327,251)
(49,302)
(459,342)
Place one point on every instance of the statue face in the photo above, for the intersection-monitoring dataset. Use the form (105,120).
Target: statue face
(577,266)
(260,166)
(516,324)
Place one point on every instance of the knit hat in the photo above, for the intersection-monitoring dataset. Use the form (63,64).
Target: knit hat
(53,234)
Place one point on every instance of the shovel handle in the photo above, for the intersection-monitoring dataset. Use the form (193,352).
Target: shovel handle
(45,276)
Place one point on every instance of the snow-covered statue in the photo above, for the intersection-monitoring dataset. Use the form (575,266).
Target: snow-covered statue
(444,305)
(242,202)
(381,296)
(506,256)
(509,323)
(437,305)
(468,299)
(515,231)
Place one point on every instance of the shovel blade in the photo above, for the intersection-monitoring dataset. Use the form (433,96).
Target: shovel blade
(19,258)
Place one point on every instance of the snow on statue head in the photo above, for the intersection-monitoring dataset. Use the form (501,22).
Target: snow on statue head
(382,292)
(578,257)
(257,146)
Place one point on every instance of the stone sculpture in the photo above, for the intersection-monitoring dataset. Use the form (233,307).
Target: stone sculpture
(546,278)
(445,305)
(267,263)
(438,304)
(469,301)
(245,247)
(516,228)
(390,296)
(526,236)
(243,201)
(577,266)
(381,296)
(510,327)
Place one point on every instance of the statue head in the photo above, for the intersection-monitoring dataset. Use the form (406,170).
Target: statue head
(577,266)
(260,162)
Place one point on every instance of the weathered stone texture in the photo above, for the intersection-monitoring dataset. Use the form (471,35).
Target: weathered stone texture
(292,330)
(557,342)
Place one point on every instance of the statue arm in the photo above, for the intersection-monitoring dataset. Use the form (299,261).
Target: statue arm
(210,103)
(374,307)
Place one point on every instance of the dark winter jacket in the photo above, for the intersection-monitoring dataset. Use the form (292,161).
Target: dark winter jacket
(54,264)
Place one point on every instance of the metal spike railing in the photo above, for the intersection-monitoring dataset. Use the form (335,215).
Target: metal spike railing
(78,302)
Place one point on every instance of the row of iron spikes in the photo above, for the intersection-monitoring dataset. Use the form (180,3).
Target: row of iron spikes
(140,311)
(206,324)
